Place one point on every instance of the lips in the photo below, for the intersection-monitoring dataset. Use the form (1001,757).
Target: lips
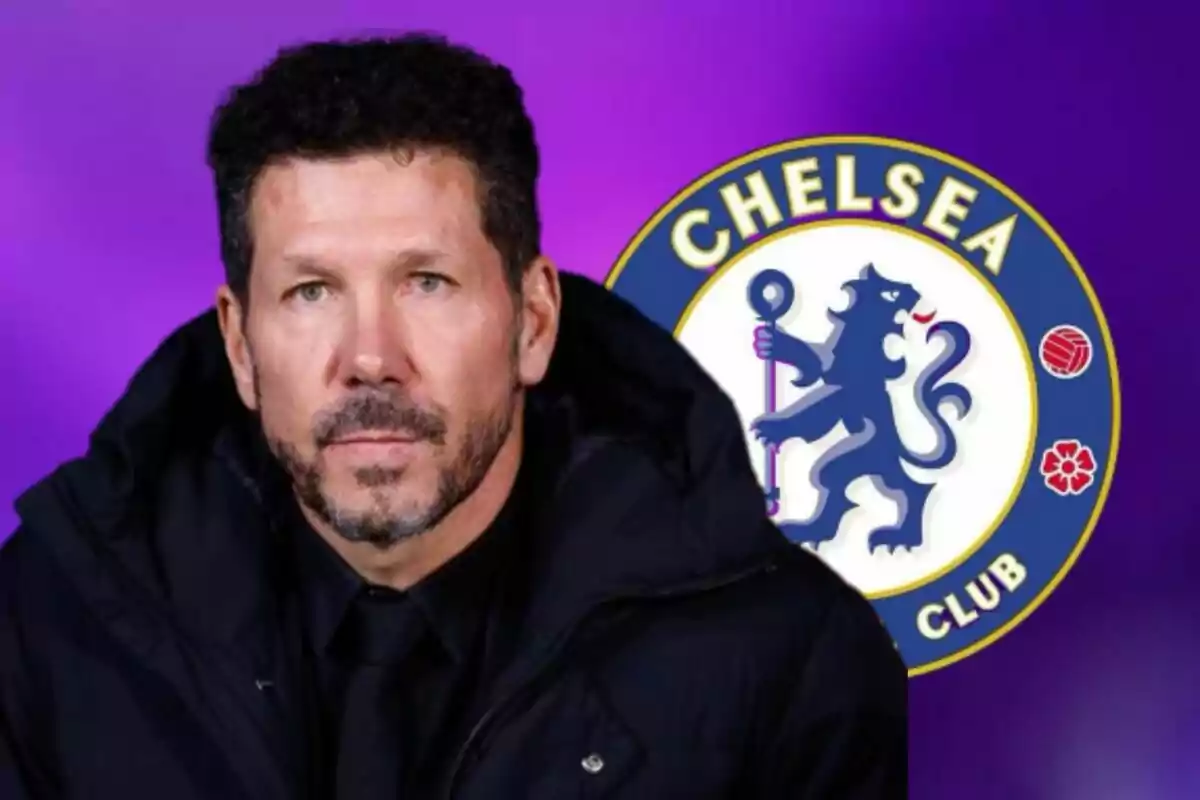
(924,319)
(374,439)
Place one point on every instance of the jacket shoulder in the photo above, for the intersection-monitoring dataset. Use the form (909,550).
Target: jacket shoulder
(792,620)
(837,724)
(26,590)
(782,664)
(34,595)
(841,622)
(13,560)
(24,571)
(808,626)
(18,622)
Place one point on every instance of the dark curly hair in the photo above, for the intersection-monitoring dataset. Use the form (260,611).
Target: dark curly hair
(341,98)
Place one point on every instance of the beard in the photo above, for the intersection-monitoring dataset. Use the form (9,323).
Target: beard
(389,410)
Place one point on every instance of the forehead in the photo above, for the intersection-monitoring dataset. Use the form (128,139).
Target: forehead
(314,203)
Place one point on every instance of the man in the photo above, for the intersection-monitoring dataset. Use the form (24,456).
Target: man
(409,514)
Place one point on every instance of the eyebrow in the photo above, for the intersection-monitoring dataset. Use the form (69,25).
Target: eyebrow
(408,260)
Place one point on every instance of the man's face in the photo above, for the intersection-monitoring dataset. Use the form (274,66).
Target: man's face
(382,346)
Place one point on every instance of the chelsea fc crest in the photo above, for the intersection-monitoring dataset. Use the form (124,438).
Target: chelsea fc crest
(925,377)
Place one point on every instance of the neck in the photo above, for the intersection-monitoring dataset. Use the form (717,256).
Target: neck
(407,562)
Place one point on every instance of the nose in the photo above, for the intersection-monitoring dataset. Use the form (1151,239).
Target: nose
(376,345)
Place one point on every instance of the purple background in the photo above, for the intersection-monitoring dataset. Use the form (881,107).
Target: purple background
(108,240)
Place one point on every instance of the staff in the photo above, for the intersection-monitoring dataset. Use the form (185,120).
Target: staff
(771,294)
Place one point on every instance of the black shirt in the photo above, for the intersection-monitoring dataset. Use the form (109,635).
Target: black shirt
(400,677)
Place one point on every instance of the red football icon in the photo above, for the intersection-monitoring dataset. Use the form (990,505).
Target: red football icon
(1066,351)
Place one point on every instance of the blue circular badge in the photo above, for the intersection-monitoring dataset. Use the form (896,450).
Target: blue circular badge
(925,376)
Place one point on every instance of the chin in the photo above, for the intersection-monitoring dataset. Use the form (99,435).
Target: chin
(374,511)
(385,501)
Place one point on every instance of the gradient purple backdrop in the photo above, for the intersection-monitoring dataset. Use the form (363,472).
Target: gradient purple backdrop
(108,240)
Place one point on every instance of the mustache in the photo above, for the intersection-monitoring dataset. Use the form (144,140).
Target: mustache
(379,411)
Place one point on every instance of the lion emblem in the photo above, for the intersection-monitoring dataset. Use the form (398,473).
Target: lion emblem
(848,375)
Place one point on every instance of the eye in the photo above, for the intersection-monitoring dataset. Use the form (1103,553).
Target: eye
(429,282)
(310,292)
(890,295)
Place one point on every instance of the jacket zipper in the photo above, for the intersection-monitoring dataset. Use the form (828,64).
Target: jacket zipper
(571,630)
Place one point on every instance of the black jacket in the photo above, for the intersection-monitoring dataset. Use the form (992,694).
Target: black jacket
(690,650)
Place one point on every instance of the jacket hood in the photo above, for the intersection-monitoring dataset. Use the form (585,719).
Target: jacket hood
(658,489)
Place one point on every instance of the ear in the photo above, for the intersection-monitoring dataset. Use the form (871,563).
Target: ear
(869,272)
(232,317)
(541,304)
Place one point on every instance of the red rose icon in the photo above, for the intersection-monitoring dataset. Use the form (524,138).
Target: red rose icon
(1069,467)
